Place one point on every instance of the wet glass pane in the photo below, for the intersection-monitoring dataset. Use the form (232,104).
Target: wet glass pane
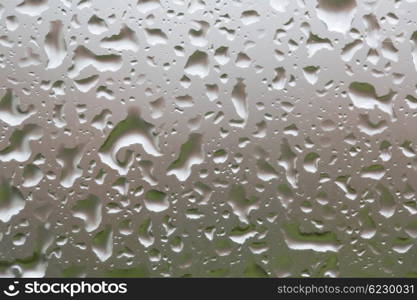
(239,138)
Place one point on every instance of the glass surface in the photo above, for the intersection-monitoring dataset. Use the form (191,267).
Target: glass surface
(208,138)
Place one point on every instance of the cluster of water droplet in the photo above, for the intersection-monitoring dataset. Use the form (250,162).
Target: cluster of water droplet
(208,138)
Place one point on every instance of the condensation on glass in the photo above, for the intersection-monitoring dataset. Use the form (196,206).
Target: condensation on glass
(208,138)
